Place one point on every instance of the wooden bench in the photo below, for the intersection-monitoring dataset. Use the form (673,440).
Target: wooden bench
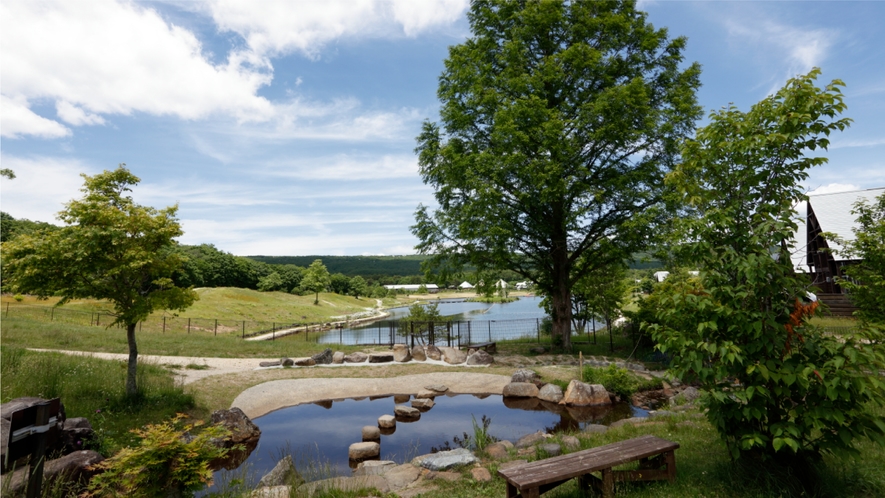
(488,347)
(652,453)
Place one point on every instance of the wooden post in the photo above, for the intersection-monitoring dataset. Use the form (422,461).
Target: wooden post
(188,325)
(38,456)
(244,329)
(164,324)
(98,319)
(216,326)
(7,312)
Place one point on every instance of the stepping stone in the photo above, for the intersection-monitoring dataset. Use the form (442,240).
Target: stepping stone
(371,433)
(362,451)
(406,411)
(423,404)
(387,421)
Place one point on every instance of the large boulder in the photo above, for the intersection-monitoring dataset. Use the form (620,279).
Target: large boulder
(418,353)
(283,474)
(480,357)
(242,430)
(581,394)
(523,375)
(380,357)
(454,356)
(373,467)
(69,471)
(305,362)
(445,460)
(337,358)
(401,353)
(324,358)
(268,364)
(433,352)
(76,433)
(357,357)
(364,450)
(520,390)
(551,393)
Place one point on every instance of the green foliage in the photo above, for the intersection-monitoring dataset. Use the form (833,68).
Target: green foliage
(7,173)
(172,458)
(558,121)
(206,266)
(615,380)
(358,287)
(423,318)
(270,283)
(386,269)
(316,279)
(777,387)
(11,227)
(111,249)
(866,280)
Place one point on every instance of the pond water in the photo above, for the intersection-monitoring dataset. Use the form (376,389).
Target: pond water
(325,430)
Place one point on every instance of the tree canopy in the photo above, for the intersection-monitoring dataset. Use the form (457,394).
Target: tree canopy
(316,279)
(558,123)
(111,248)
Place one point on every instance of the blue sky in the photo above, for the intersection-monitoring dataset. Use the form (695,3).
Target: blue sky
(288,128)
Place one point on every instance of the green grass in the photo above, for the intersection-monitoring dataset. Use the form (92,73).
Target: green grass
(26,333)
(94,388)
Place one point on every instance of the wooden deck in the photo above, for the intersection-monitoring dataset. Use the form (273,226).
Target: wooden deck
(652,453)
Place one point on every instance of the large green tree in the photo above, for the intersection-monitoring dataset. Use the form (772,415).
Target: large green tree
(558,122)
(316,279)
(778,386)
(111,248)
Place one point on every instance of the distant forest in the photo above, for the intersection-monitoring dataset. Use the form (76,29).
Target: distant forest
(365,266)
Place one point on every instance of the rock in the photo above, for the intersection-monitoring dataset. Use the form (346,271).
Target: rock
(551,449)
(551,393)
(287,362)
(387,421)
(401,398)
(453,356)
(480,358)
(364,450)
(595,428)
(401,476)
(426,394)
(530,440)
(337,358)
(73,468)
(523,375)
(538,350)
(445,460)
(520,390)
(371,433)
(570,442)
(418,353)
(345,484)
(528,404)
(481,474)
(437,388)
(380,357)
(423,404)
(283,474)
(499,450)
(406,411)
(356,357)
(326,403)
(433,352)
(373,467)
(242,430)
(267,364)
(271,492)
(686,397)
(324,358)
(76,432)
(401,353)
(305,362)
(581,394)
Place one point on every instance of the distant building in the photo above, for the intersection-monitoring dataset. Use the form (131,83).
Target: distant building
(523,285)
(431,288)
(661,275)
(465,285)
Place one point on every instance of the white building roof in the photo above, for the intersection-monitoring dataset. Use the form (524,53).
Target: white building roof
(465,285)
(413,287)
(833,212)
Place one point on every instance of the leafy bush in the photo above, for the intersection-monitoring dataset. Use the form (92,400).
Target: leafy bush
(615,379)
(170,460)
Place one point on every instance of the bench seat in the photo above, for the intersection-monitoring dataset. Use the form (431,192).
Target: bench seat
(652,453)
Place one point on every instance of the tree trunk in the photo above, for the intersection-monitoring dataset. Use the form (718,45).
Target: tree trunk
(316,299)
(561,296)
(132,370)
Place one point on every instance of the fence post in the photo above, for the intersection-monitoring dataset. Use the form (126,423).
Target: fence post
(459,335)
(98,319)
(432,330)
(35,472)
(216,326)
(340,336)
(449,333)
(188,325)
(538,328)
(7,312)
(412,333)
(490,330)
(379,331)
(244,329)
(164,324)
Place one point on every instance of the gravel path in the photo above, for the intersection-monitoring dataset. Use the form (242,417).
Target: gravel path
(269,396)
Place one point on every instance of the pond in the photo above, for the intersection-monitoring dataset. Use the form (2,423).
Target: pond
(325,430)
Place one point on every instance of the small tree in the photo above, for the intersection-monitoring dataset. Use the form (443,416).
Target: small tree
(112,249)
(778,387)
(271,282)
(422,319)
(358,287)
(316,279)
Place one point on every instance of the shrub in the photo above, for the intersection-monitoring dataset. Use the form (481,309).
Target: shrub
(615,380)
(170,460)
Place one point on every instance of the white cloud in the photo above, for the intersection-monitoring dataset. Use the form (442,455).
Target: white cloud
(349,167)
(841,144)
(42,186)
(19,121)
(104,57)
(281,26)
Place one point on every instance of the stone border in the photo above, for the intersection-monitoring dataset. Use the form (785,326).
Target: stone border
(273,395)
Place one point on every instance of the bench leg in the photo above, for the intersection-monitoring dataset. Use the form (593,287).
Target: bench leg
(608,483)
(511,491)
(670,460)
